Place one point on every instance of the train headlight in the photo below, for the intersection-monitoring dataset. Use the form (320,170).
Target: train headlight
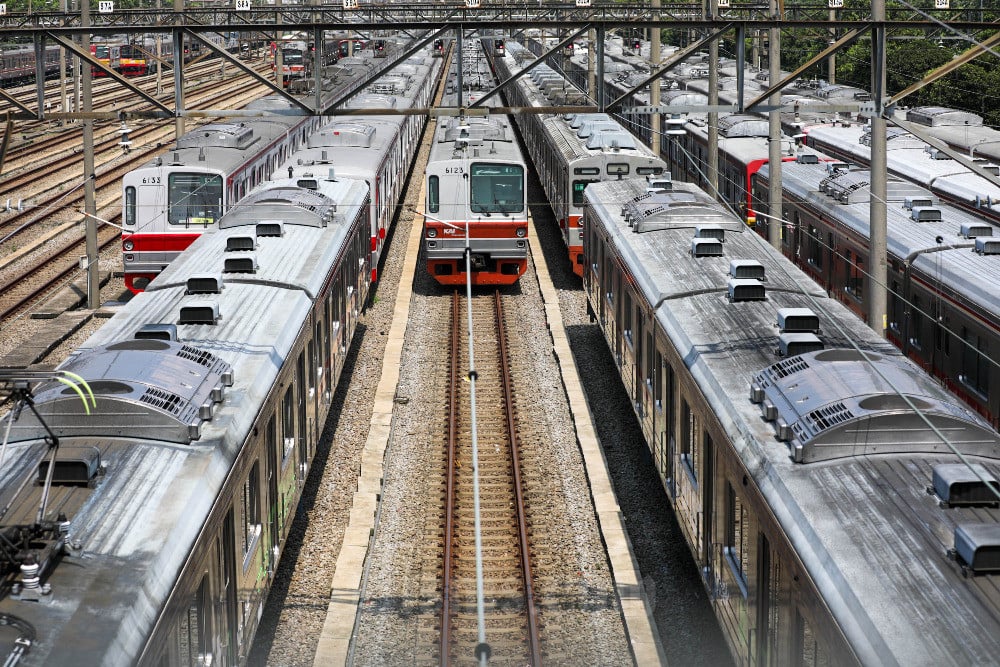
(128,246)
(522,232)
(432,233)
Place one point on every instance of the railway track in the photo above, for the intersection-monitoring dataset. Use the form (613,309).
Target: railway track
(506,554)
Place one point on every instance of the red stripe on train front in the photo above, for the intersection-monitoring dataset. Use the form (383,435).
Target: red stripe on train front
(160,242)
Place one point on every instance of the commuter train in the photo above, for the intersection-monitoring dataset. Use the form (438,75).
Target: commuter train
(299,53)
(943,302)
(569,152)
(156,538)
(912,159)
(17,63)
(476,180)
(841,505)
(376,149)
(171,199)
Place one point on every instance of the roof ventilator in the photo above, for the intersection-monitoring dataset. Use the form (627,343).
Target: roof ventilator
(961,485)
(241,243)
(200,312)
(204,283)
(706,247)
(910,202)
(710,232)
(807,158)
(987,246)
(240,264)
(977,547)
(925,214)
(157,332)
(972,230)
(270,228)
(75,466)
(792,344)
(746,269)
(797,320)
(936,154)
(746,290)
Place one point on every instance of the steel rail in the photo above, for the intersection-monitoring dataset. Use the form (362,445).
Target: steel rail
(449,514)
(534,644)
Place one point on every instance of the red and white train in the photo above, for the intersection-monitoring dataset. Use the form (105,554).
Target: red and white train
(169,201)
(476,190)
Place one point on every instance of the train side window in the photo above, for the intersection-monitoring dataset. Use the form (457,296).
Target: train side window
(975,362)
(917,323)
(288,424)
(300,390)
(251,511)
(196,628)
(737,546)
(433,194)
(809,652)
(129,205)
(626,317)
(856,277)
(815,248)
(689,452)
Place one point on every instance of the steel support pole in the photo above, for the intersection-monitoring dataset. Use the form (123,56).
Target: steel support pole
(179,125)
(89,196)
(712,167)
(877,273)
(774,131)
(654,85)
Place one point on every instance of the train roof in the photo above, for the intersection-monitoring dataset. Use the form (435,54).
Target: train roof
(912,159)
(847,482)
(164,466)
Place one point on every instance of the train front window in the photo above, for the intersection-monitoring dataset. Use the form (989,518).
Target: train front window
(129,208)
(497,188)
(578,188)
(194,199)
(291,57)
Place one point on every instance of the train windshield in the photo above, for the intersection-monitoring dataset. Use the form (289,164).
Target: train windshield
(194,199)
(291,56)
(101,51)
(497,188)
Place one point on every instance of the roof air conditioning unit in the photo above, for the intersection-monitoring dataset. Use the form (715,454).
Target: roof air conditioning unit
(807,158)
(157,332)
(910,202)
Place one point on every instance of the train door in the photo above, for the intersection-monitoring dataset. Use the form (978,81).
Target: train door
(274,514)
(227,554)
(303,420)
(769,607)
(669,428)
(707,497)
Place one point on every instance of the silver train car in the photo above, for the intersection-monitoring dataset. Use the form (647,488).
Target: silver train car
(943,304)
(910,158)
(170,200)
(797,448)
(476,184)
(173,493)
(378,149)
(569,153)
